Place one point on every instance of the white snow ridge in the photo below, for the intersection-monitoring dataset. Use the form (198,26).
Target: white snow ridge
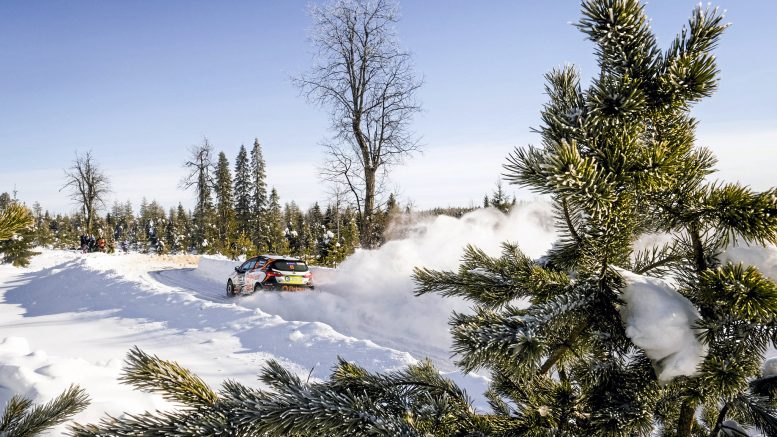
(659,320)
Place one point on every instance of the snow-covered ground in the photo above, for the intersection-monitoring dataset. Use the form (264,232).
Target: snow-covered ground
(71,318)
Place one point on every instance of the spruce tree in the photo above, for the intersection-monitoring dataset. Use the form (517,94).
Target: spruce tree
(171,233)
(225,212)
(244,192)
(308,250)
(244,245)
(259,205)
(292,219)
(182,228)
(275,240)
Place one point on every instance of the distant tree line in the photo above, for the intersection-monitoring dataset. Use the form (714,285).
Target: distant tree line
(234,214)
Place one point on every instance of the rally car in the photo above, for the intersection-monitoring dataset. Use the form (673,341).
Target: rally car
(270,272)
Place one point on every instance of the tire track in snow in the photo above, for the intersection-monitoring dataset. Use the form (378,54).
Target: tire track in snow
(288,307)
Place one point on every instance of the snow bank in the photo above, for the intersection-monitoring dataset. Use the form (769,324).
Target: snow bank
(216,267)
(659,320)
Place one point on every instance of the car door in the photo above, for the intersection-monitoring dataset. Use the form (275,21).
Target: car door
(255,274)
(243,271)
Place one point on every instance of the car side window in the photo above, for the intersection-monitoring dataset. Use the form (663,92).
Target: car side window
(261,262)
(248,265)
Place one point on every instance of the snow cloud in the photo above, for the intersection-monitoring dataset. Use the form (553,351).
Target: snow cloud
(371,294)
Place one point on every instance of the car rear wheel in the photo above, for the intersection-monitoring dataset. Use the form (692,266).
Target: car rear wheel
(230,288)
(257,287)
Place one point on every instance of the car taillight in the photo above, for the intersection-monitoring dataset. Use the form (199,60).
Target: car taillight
(273,275)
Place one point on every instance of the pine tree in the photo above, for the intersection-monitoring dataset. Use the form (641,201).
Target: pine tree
(22,419)
(619,162)
(17,232)
(244,192)
(124,227)
(259,203)
(292,407)
(150,227)
(225,212)
(385,218)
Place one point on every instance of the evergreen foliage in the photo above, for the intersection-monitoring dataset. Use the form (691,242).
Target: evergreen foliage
(499,199)
(42,226)
(619,162)
(14,218)
(150,228)
(231,217)
(23,419)
(17,232)
(225,212)
(244,192)
(412,402)
(259,203)
(275,240)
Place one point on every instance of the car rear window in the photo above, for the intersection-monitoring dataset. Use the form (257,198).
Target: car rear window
(290,266)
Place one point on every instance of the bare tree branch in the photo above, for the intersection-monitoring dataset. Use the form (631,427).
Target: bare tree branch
(88,186)
(367,82)
(200,164)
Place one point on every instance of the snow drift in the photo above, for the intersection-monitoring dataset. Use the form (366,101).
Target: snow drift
(659,320)
(40,377)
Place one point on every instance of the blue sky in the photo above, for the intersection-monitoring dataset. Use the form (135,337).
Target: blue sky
(138,82)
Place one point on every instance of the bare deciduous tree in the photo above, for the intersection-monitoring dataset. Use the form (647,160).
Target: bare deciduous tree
(87,185)
(368,83)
